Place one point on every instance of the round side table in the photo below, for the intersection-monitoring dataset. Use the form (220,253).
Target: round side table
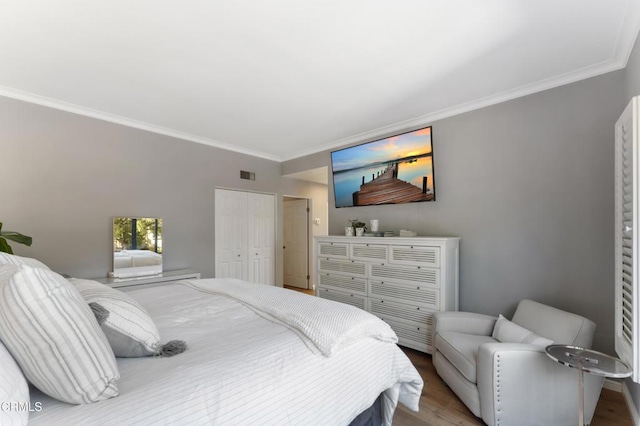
(590,361)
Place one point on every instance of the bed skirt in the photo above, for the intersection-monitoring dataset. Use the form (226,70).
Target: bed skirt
(372,416)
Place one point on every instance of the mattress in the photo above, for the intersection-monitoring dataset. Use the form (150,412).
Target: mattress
(241,369)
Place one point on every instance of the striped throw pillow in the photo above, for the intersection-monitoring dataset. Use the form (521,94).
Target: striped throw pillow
(129,328)
(53,335)
(12,259)
(14,391)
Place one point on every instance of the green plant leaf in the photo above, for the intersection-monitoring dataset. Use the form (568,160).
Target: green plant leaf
(17,237)
(4,247)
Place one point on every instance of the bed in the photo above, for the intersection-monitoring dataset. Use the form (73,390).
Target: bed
(135,258)
(245,364)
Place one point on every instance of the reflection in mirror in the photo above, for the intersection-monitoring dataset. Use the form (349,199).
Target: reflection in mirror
(137,246)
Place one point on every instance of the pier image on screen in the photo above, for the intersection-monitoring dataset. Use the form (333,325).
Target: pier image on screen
(394,170)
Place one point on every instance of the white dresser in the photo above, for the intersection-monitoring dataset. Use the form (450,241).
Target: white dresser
(401,280)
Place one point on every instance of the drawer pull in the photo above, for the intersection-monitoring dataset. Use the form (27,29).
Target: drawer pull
(418,308)
(418,288)
(418,328)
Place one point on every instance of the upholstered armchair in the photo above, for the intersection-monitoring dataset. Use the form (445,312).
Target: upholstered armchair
(515,383)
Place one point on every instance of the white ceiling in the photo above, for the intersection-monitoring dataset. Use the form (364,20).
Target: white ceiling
(284,78)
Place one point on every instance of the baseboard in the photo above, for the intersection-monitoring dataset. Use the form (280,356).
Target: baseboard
(631,406)
(614,385)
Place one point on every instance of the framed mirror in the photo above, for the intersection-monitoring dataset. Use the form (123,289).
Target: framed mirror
(137,246)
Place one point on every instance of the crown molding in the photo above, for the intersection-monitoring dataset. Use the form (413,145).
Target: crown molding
(627,33)
(118,119)
(626,41)
(425,120)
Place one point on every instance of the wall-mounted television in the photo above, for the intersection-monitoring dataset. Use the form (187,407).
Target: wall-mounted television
(394,170)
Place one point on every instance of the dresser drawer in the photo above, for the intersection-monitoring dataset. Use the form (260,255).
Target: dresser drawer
(375,252)
(415,255)
(350,267)
(401,280)
(337,250)
(343,283)
(413,294)
(411,314)
(415,337)
(418,274)
(340,296)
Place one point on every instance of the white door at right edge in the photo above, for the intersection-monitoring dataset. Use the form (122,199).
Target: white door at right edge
(295,237)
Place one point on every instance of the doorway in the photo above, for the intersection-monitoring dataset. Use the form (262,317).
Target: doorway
(295,260)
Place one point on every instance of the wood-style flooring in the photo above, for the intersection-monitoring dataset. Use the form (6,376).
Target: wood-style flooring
(439,406)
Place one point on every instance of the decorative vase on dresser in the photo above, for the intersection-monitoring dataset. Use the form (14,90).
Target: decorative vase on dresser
(401,280)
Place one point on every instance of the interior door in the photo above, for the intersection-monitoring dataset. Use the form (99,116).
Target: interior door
(261,210)
(296,245)
(231,234)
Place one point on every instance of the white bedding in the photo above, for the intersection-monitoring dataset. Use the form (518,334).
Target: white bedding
(135,258)
(240,369)
(325,327)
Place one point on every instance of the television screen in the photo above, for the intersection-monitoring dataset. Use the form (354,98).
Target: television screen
(394,170)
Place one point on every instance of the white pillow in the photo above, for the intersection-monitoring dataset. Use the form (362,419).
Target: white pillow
(53,335)
(129,328)
(14,391)
(506,331)
(12,259)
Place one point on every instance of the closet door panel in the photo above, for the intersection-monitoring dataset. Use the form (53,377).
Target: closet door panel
(261,237)
(231,234)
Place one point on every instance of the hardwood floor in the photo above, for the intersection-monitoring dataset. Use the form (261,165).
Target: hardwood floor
(301,290)
(439,406)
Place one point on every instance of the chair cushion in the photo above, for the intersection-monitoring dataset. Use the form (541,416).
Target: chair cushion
(461,350)
(560,326)
(506,331)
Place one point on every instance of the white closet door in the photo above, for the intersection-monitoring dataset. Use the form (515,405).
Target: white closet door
(261,238)
(231,234)
(245,236)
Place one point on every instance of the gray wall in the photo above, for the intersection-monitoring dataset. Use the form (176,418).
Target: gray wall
(64,177)
(528,186)
(631,89)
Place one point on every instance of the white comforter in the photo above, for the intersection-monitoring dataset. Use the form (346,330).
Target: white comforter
(325,326)
(241,369)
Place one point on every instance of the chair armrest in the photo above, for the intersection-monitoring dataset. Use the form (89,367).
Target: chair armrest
(464,322)
(519,381)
